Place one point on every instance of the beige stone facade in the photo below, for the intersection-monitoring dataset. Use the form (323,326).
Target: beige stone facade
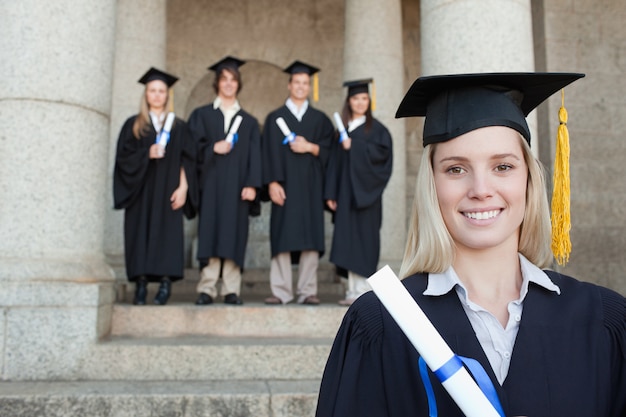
(68,81)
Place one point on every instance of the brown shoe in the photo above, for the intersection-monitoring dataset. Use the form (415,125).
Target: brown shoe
(311,300)
(273,300)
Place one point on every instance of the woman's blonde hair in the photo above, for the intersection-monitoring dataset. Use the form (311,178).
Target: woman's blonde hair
(143,122)
(430,247)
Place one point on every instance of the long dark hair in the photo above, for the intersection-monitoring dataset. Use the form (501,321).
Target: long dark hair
(236,75)
(346,114)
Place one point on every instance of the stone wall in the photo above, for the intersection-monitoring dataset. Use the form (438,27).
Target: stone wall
(590,37)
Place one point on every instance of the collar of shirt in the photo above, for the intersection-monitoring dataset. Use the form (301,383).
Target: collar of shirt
(228,113)
(157,121)
(298,113)
(354,123)
(442,283)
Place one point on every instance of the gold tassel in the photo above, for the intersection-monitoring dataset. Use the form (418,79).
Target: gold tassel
(561,221)
(316,87)
(373,95)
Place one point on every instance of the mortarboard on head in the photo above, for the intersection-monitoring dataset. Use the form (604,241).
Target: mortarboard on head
(299,67)
(457,104)
(227,62)
(362,86)
(155,74)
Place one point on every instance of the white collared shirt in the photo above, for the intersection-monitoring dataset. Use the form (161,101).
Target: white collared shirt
(496,341)
(354,123)
(157,121)
(297,112)
(228,113)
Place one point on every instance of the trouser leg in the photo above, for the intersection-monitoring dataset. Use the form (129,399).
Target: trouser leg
(281,277)
(209,276)
(357,286)
(307,274)
(231,278)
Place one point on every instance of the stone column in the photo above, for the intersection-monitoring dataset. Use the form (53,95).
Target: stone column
(461,36)
(373,49)
(55,91)
(139,44)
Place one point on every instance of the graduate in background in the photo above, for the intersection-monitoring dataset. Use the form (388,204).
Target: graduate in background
(229,165)
(478,243)
(154,180)
(293,171)
(358,171)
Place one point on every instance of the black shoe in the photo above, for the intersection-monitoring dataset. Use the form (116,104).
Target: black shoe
(204,299)
(141,291)
(232,298)
(164,292)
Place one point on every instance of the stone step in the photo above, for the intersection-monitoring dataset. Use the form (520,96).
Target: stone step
(242,398)
(255,286)
(189,358)
(248,320)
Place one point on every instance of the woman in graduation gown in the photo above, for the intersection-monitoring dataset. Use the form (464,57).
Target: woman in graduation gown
(479,237)
(358,171)
(155,184)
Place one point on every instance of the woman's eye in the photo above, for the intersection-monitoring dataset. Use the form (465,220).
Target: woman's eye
(455,170)
(503,167)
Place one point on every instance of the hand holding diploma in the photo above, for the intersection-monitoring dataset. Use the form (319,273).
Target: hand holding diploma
(163,137)
(289,135)
(340,127)
(431,346)
(232,136)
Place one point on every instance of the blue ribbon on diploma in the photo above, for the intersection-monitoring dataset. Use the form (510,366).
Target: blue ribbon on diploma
(163,138)
(289,138)
(450,368)
(235,138)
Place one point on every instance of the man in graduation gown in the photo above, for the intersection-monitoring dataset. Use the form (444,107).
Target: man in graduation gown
(230,174)
(143,185)
(293,171)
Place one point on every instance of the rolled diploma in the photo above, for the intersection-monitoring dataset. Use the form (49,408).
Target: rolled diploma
(167,128)
(282,125)
(233,129)
(340,127)
(429,343)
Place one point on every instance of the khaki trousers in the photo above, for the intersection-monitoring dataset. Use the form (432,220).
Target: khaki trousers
(357,286)
(281,280)
(231,277)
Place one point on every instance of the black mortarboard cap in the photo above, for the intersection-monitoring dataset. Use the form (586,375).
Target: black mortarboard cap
(155,74)
(298,67)
(457,104)
(357,86)
(227,62)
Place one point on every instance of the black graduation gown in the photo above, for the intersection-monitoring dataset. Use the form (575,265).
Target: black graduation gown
(355,179)
(569,358)
(299,224)
(153,232)
(223,223)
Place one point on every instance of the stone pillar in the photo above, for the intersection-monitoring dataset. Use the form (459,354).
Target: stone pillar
(373,49)
(461,36)
(55,90)
(139,45)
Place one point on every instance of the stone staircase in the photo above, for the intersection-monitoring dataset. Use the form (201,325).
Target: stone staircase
(187,360)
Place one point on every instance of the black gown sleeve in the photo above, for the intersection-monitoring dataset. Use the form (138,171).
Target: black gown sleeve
(614,307)
(188,162)
(131,166)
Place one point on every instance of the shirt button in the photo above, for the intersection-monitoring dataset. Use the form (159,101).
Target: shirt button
(507,355)
(518,317)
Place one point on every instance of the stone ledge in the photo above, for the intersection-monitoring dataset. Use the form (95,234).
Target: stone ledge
(265,398)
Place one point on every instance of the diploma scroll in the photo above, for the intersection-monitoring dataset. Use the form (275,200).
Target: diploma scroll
(289,135)
(232,136)
(430,345)
(163,137)
(340,127)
